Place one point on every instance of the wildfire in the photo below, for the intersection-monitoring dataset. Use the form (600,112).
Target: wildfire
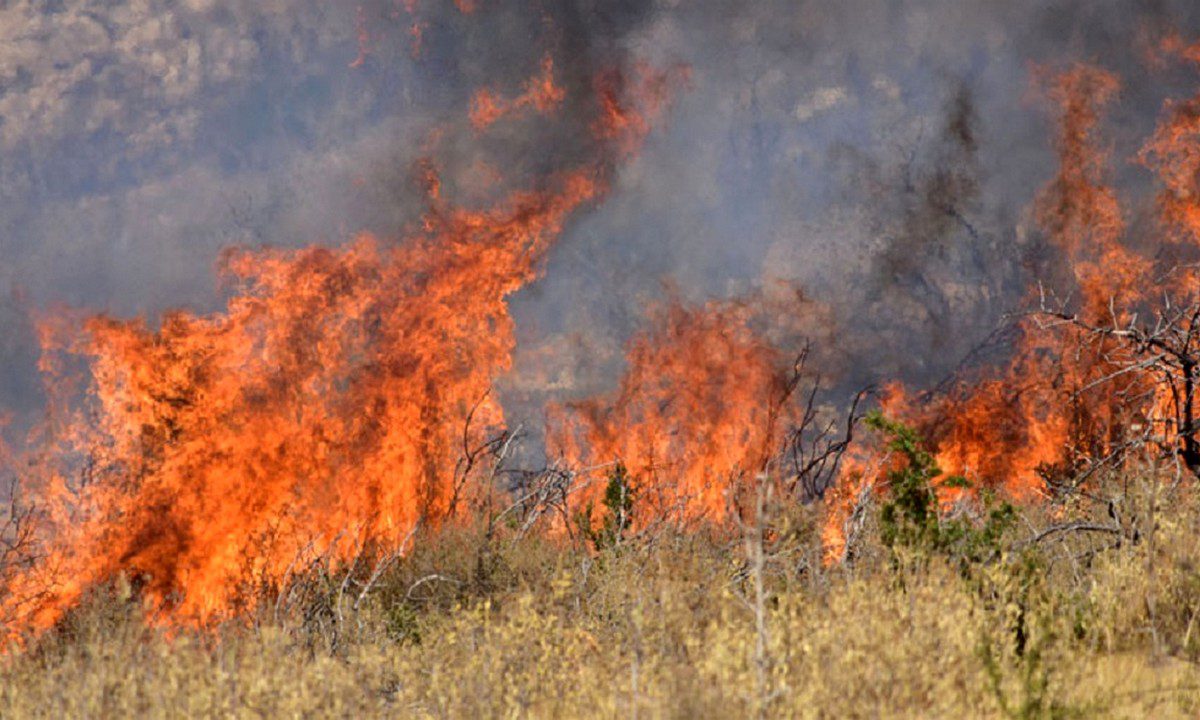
(540,93)
(1005,431)
(324,407)
(630,102)
(1174,153)
(327,407)
(1078,209)
(363,37)
(704,408)
(1067,396)
(689,420)
(324,410)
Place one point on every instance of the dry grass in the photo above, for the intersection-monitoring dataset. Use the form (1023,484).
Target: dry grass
(1075,625)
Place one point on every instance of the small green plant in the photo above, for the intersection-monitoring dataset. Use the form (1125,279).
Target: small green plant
(1014,651)
(910,520)
(910,517)
(618,501)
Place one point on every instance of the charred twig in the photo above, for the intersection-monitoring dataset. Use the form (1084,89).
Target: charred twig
(1162,351)
(470,454)
(1073,527)
(408,596)
(815,463)
(384,563)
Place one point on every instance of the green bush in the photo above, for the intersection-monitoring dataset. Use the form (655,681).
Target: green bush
(618,501)
(910,518)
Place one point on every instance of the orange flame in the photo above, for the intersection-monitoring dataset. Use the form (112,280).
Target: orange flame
(363,37)
(1059,398)
(539,93)
(1174,152)
(324,407)
(704,407)
(631,103)
(1078,209)
(693,415)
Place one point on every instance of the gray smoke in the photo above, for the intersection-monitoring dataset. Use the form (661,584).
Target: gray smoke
(879,153)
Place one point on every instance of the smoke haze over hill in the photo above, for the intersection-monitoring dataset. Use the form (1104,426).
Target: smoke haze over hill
(881,154)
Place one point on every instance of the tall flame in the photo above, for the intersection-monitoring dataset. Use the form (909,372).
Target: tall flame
(1060,399)
(325,406)
(704,408)
(1174,153)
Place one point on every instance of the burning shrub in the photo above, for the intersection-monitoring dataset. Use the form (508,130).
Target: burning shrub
(710,405)
(911,516)
(323,411)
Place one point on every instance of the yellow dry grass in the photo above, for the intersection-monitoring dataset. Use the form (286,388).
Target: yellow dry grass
(663,627)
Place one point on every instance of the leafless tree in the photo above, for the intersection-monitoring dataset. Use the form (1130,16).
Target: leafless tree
(16,528)
(1163,350)
(815,444)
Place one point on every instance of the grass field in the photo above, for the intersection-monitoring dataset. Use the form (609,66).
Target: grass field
(1095,618)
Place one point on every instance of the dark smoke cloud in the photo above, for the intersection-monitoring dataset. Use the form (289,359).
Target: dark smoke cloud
(880,153)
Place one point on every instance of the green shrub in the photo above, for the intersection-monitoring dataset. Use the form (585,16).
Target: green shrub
(618,501)
(910,519)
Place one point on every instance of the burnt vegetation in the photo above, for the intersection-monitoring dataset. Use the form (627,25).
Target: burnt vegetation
(1046,610)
